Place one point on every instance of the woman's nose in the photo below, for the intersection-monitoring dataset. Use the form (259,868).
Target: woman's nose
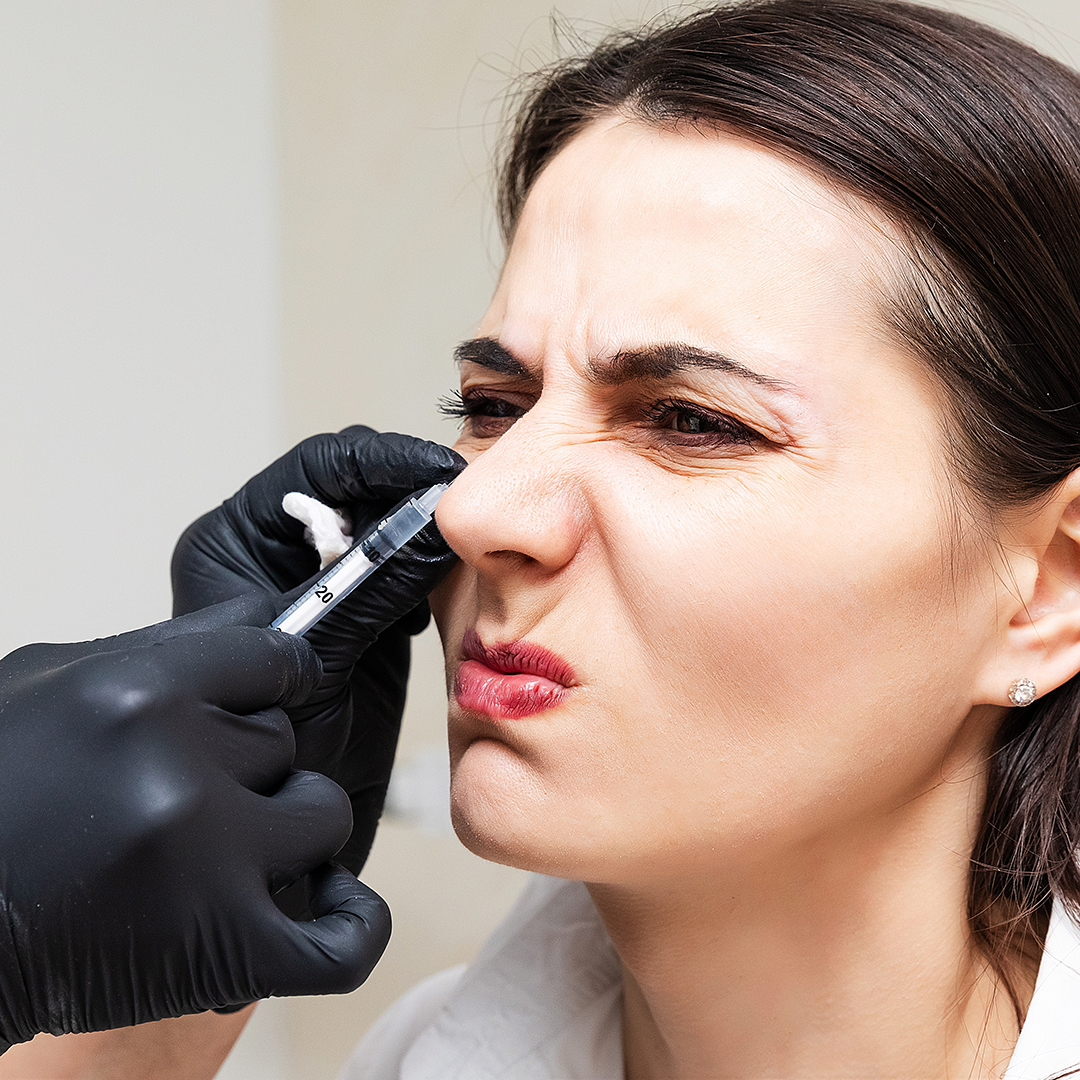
(517,506)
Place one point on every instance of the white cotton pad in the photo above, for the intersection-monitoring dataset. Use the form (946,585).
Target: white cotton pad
(327,529)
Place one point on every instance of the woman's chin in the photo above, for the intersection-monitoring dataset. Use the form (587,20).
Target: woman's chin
(498,809)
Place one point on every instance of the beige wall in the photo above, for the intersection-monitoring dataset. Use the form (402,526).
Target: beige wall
(138,295)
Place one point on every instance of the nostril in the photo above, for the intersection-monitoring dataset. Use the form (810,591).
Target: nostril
(507,563)
(509,555)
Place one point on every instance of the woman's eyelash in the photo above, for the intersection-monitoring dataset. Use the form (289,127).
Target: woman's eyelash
(692,420)
(455,404)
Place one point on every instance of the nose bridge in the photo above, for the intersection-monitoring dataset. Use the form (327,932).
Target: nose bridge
(522,495)
(534,455)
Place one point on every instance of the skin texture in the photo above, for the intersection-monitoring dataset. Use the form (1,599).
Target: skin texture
(792,637)
(182,1048)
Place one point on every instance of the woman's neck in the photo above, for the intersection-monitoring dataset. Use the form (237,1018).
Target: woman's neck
(848,957)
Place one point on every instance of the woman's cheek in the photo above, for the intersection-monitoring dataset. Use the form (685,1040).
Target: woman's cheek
(469,447)
(446,599)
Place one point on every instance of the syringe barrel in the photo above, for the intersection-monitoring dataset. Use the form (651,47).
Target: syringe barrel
(395,531)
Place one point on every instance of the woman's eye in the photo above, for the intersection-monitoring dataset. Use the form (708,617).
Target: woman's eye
(690,423)
(483,416)
(708,427)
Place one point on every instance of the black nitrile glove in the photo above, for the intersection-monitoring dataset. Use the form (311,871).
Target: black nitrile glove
(147,811)
(348,728)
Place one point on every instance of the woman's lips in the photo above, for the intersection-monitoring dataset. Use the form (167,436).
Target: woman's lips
(508,682)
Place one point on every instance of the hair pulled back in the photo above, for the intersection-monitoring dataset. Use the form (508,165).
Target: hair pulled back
(969,142)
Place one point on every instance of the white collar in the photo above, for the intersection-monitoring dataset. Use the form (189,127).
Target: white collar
(1049,1043)
(542,999)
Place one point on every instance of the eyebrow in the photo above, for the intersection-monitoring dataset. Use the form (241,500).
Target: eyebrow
(650,362)
(488,353)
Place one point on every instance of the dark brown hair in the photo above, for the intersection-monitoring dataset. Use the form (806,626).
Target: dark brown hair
(969,142)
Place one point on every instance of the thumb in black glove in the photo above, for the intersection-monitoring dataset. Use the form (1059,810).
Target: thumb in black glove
(147,812)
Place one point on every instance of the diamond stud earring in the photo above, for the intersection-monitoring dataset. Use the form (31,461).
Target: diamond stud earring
(1022,692)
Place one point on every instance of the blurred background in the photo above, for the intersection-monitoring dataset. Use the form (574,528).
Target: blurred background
(226,225)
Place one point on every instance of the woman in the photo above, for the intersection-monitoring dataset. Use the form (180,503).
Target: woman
(767,619)
(768,611)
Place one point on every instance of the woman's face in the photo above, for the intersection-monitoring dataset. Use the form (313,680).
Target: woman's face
(711,601)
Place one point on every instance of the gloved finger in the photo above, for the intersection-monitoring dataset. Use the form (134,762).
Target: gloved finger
(239,668)
(255,749)
(308,819)
(252,609)
(250,541)
(359,470)
(360,465)
(363,762)
(335,953)
(391,592)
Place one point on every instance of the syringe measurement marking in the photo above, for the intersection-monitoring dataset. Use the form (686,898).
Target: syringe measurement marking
(374,557)
(322,591)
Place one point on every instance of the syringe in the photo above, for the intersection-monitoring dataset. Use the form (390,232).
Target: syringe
(362,559)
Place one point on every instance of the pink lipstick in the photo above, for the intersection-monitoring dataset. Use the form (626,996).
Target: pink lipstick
(512,681)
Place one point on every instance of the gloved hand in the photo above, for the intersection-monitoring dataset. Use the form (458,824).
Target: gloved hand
(147,811)
(348,728)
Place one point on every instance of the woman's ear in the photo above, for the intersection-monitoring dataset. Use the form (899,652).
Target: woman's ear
(1040,625)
